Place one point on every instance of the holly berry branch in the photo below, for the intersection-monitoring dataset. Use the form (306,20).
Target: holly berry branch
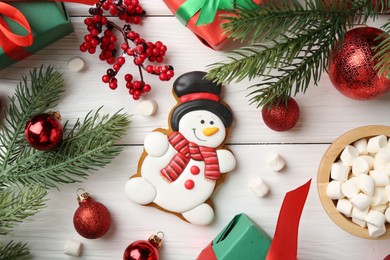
(27,173)
(290,44)
(131,12)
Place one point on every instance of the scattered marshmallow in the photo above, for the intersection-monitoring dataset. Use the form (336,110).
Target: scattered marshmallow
(361,201)
(374,231)
(381,178)
(276,162)
(350,188)
(76,64)
(73,248)
(258,186)
(361,146)
(366,184)
(147,107)
(375,143)
(348,155)
(344,206)
(360,166)
(334,190)
(339,171)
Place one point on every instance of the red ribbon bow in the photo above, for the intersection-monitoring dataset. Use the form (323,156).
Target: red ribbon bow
(12,43)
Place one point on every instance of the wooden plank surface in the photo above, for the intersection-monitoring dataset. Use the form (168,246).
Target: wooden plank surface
(325,115)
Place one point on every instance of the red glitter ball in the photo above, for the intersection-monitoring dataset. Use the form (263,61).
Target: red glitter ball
(352,67)
(281,117)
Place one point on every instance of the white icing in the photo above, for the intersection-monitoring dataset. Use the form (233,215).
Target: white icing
(156,144)
(200,215)
(227,161)
(140,191)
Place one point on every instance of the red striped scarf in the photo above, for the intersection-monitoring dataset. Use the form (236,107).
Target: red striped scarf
(186,151)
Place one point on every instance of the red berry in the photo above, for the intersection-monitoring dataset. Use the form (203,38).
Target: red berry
(136,20)
(124,46)
(149,69)
(121,60)
(116,66)
(106,78)
(92,50)
(128,77)
(113,85)
(147,88)
(111,60)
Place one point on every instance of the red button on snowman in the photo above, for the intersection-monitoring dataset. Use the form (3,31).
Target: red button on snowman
(181,166)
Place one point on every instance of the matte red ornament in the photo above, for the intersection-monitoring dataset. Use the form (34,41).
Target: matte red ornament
(352,67)
(92,219)
(144,250)
(44,131)
(281,117)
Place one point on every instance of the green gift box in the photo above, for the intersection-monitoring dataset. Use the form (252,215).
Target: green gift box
(49,22)
(240,239)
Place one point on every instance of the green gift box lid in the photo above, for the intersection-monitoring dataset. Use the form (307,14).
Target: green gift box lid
(49,22)
(241,239)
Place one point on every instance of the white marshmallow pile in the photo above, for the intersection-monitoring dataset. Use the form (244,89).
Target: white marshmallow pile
(360,182)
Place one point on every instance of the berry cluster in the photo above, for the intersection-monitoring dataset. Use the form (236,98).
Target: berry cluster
(101,32)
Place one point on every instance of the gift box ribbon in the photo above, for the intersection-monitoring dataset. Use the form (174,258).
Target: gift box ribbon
(208,9)
(11,43)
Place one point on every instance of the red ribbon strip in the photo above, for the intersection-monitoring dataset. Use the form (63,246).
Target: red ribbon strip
(12,43)
(285,243)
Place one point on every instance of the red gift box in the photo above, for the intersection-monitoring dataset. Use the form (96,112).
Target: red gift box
(209,32)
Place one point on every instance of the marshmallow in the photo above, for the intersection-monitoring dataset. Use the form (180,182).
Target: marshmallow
(350,187)
(361,146)
(147,107)
(344,206)
(374,231)
(379,197)
(381,178)
(276,162)
(375,218)
(387,192)
(366,184)
(360,166)
(370,160)
(348,155)
(73,248)
(376,143)
(361,201)
(360,222)
(387,215)
(359,214)
(380,208)
(333,190)
(76,64)
(259,187)
(383,156)
(339,171)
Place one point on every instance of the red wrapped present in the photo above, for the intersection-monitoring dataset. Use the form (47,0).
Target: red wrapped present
(202,17)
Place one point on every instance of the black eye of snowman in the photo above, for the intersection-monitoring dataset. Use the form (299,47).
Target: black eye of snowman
(211,122)
(202,122)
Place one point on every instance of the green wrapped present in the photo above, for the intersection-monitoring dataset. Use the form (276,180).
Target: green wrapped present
(48,21)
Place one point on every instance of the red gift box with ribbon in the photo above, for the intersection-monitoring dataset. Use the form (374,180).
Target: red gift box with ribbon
(202,17)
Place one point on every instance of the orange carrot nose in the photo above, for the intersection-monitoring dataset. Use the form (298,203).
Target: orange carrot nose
(209,131)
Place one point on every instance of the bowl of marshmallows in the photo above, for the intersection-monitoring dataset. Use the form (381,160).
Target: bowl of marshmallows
(354,182)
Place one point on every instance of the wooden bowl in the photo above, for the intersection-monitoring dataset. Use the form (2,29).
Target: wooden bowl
(331,155)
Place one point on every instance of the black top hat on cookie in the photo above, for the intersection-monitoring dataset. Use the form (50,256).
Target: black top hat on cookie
(196,93)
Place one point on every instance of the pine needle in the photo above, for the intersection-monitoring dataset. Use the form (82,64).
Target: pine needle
(14,251)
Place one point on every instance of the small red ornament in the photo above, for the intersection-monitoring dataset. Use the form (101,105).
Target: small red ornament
(387,257)
(92,219)
(352,67)
(281,117)
(144,250)
(44,131)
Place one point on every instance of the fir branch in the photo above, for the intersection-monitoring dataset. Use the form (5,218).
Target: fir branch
(88,146)
(31,97)
(382,52)
(18,203)
(12,250)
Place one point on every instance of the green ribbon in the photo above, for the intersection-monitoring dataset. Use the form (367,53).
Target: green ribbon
(208,9)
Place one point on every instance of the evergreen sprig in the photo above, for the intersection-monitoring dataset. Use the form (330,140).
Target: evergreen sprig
(289,44)
(27,173)
(13,250)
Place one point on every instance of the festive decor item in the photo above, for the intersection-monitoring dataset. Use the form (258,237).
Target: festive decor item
(26,173)
(44,131)
(296,51)
(45,22)
(281,117)
(101,33)
(243,239)
(92,219)
(181,166)
(144,250)
(203,17)
(352,66)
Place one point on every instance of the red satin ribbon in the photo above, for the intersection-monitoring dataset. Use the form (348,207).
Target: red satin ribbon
(12,43)
(285,243)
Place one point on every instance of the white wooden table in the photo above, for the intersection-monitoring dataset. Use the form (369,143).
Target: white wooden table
(325,114)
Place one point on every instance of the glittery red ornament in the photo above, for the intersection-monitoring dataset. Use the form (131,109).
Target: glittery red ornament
(44,131)
(387,257)
(144,250)
(352,67)
(92,219)
(281,117)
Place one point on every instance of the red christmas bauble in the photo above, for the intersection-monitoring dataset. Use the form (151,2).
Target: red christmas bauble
(281,117)
(387,257)
(143,250)
(352,67)
(92,219)
(43,131)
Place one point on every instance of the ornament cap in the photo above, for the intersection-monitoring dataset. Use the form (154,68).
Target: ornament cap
(56,114)
(83,196)
(156,240)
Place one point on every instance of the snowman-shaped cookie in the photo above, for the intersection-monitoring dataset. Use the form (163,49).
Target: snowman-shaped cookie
(181,167)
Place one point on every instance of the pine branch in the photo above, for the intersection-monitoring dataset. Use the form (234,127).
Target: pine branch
(382,52)
(18,203)
(88,146)
(12,250)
